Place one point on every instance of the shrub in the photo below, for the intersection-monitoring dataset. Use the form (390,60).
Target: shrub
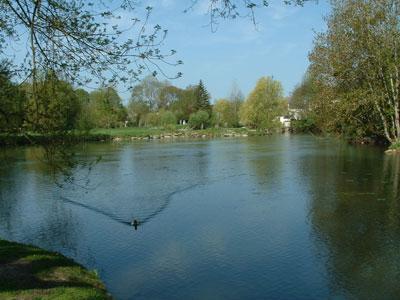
(199,120)
(304,125)
(167,118)
(395,145)
(152,119)
(85,121)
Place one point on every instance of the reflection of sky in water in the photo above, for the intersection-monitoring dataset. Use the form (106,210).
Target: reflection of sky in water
(277,217)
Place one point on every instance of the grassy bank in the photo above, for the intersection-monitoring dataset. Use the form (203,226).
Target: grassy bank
(173,132)
(394,148)
(42,139)
(124,134)
(27,272)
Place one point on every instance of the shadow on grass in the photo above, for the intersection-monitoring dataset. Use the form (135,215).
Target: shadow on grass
(24,268)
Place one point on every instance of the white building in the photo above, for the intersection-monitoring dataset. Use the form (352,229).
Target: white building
(285,121)
(295,113)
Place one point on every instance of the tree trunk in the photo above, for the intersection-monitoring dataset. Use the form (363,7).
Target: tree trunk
(34,62)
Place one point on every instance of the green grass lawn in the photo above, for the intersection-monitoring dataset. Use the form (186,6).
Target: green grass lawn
(184,130)
(130,131)
(27,272)
(108,134)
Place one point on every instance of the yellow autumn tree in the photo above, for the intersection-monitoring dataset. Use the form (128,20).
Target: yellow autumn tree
(264,105)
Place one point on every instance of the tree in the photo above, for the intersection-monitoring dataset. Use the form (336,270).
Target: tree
(263,105)
(232,9)
(149,92)
(163,118)
(12,102)
(80,41)
(137,111)
(76,38)
(151,95)
(185,105)
(85,120)
(304,93)
(199,119)
(55,108)
(202,98)
(224,113)
(236,97)
(107,108)
(168,95)
(152,119)
(80,36)
(167,118)
(357,58)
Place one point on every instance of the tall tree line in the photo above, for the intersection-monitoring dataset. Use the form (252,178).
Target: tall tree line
(59,107)
(353,83)
(81,42)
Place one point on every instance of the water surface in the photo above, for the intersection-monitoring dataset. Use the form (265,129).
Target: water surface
(285,217)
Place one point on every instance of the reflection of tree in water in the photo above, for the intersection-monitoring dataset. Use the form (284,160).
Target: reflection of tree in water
(391,176)
(355,215)
(139,181)
(134,183)
(57,229)
(131,182)
(9,171)
(265,158)
(28,211)
(27,208)
(59,162)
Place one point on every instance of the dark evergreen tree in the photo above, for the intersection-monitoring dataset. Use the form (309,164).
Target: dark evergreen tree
(202,98)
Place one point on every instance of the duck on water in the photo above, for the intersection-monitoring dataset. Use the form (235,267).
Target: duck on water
(135,223)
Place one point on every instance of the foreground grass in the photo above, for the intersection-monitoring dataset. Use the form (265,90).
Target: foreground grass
(27,272)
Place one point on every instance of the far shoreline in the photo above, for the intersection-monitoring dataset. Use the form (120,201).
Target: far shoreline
(125,135)
(132,134)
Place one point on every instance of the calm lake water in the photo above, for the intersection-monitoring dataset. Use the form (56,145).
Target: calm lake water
(285,217)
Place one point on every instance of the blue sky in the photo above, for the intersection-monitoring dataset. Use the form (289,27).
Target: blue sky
(238,51)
